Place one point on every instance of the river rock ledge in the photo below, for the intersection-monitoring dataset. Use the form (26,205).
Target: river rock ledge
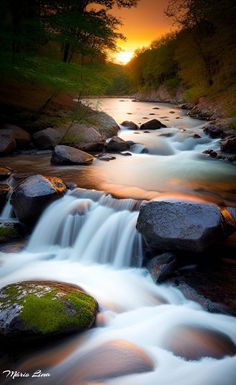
(34,194)
(180,225)
(38,309)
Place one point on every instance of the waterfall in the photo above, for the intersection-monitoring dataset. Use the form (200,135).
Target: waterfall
(102,231)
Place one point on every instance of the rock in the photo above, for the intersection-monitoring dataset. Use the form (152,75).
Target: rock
(116,144)
(180,225)
(5,172)
(103,123)
(34,194)
(196,136)
(193,343)
(9,231)
(47,138)
(22,137)
(153,124)
(213,131)
(65,155)
(44,308)
(162,266)
(130,125)
(126,153)
(211,153)
(4,191)
(109,360)
(84,137)
(106,157)
(7,142)
(229,145)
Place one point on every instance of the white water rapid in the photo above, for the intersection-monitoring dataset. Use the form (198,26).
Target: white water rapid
(90,239)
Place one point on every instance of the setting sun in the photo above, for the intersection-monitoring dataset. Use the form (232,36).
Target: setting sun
(124,57)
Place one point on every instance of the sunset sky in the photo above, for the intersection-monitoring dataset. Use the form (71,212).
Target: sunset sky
(142,25)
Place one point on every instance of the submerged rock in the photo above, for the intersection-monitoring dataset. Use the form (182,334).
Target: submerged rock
(31,197)
(109,360)
(193,343)
(5,172)
(130,125)
(180,225)
(153,124)
(9,231)
(4,191)
(66,155)
(44,308)
(116,144)
(47,138)
(162,266)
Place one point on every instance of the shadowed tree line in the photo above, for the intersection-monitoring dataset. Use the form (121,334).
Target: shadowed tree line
(200,55)
(36,35)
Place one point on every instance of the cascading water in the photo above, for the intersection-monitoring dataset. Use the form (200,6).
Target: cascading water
(85,239)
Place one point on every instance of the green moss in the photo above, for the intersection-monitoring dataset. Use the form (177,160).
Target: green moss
(50,314)
(8,232)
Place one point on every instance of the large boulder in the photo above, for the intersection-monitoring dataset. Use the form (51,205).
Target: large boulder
(66,155)
(213,131)
(7,142)
(229,145)
(180,224)
(21,136)
(31,197)
(47,138)
(153,124)
(104,123)
(130,125)
(116,144)
(84,137)
(44,308)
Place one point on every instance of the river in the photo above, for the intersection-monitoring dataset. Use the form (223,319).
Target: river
(90,239)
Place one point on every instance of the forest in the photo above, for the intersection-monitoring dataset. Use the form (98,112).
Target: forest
(199,57)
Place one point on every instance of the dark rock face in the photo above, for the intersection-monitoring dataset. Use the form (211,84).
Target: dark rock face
(5,172)
(179,225)
(112,359)
(32,196)
(47,138)
(130,125)
(44,308)
(229,145)
(193,343)
(7,142)
(66,155)
(162,266)
(4,191)
(153,124)
(116,144)
(9,231)
(213,131)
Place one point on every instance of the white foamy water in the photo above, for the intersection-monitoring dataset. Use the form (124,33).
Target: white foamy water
(91,240)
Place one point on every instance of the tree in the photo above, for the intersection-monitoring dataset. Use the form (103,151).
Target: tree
(83,26)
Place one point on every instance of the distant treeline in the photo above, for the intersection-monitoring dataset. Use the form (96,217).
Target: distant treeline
(200,56)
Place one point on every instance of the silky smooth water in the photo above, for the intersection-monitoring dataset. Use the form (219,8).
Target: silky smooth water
(91,240)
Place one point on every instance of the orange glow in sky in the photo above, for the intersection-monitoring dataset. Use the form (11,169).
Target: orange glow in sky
(141,25)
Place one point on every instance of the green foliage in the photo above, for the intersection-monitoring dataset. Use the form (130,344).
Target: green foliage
(89,79)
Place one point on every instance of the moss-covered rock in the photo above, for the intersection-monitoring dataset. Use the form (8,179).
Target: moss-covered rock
(9,231)
(44,308)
